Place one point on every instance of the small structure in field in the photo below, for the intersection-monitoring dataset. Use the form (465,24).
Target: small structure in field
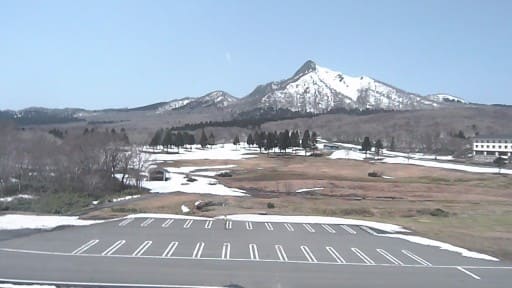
(158,174)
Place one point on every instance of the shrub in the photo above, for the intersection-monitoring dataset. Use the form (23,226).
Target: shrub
(271,205)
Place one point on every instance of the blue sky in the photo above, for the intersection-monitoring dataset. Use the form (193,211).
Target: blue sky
(99,54)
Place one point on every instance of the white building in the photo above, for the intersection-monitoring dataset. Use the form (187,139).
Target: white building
(487,148)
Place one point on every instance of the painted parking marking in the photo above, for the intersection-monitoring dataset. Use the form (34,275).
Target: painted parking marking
(188,223)
(389,257)
(417,258)
(309,228)
(348,229)
(226,250)
(229,224)
(113,248)
(335,255)
(147,222)
(84,247)
(170,249)
(142,248)
(469,273)
(289,227)
(208,224)
(363,256)
(167,223)
(248,225)
(367,229)
(269,226)
(198,250)
(307,252)
(281,254)
(253,250)
(328,228)
(125,222)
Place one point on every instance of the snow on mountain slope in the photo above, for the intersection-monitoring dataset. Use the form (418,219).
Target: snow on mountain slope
(174,104)
(445,98)
(218,99)
(317,89)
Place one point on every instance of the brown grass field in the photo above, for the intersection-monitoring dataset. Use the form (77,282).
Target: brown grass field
(476,208)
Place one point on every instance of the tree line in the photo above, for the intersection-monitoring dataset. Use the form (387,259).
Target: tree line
(282,140)
(169,138)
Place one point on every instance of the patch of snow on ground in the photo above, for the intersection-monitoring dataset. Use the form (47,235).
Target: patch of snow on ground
(452,166)
(203,185)
(442,245)
(185,209)
(388,177)
(309,189)
(210,173)
(125,198)
(14,221)
(20,196)
(347,154)
(390,228)
(217,152)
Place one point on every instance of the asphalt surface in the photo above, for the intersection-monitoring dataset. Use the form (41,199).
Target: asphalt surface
(196,253)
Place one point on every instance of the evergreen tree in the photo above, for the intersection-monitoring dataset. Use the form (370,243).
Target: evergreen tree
(203,140)
(392,145)
(261,139)
(367,145)
(378,147)
(500,162)
(236,141)
(269,143)
(191,139)
(157,138)
(180,141)
(295,139)
(306,142)
(167,140)
(211,139)
(314,140)
(250,140)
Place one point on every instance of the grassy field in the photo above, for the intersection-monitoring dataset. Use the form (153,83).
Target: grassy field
(465,209)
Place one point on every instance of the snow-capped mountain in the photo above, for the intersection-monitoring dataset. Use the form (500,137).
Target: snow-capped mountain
(317,89)
(174,104)
(215,99)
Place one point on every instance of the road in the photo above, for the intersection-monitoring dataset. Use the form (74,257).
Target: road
(153,252)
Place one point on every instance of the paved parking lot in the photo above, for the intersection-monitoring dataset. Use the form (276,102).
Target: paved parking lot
(228,246)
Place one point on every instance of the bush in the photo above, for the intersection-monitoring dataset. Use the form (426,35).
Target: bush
(271,205)
(225,174)
(374,174)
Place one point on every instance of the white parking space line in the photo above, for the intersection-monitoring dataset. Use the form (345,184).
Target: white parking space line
(188,223)
(328,228)
(208,224)
(369,230)
(281,254)
(289,227)
(389,257)
(363,256)
(84,247)
(309,228)
(335,255)
(142,248)
(198,250)
(113,248)
(269,226)
(226,250)
(307,252)
(229,224)
(348,229)
(417,258)
(248,225)
(253,250)
(167,223)
(147,222)
(170,249)
(126,222)
(469,273)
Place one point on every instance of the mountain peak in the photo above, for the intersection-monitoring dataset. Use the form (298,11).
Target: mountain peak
(307,67)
